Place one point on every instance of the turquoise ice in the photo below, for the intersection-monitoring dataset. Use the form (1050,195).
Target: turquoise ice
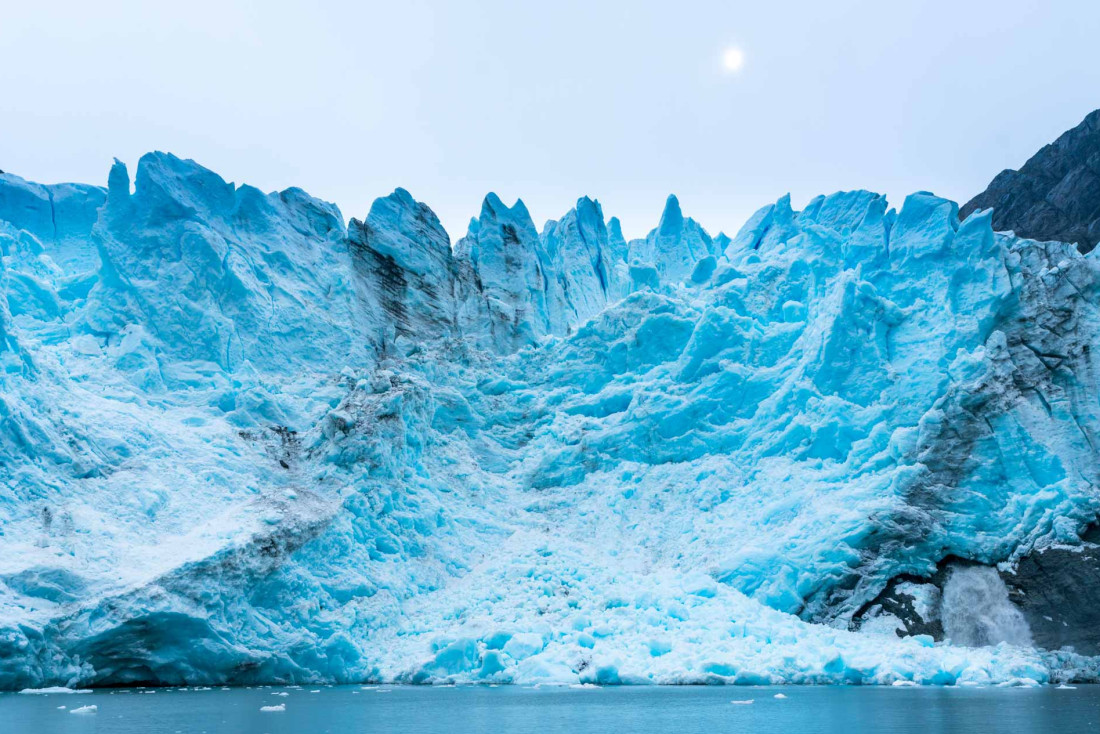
(242,440)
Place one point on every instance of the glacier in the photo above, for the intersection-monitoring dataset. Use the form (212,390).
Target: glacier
(243,440)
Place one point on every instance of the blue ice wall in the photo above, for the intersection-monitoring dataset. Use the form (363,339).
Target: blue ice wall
(241,440)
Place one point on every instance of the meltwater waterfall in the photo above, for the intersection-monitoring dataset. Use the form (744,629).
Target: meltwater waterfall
(976,610)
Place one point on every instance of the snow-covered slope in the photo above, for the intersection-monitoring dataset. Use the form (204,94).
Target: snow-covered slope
(241,441)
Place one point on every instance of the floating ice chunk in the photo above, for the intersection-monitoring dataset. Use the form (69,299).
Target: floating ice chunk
(1019,683)
(779,695)
(746,702)
(85,710)
(1065,687)
(276,707)
(53,689)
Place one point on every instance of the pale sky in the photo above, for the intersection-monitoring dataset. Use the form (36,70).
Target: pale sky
(626,102)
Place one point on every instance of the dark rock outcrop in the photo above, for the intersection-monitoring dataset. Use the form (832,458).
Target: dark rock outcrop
(914,600)
(1058,591)
(1055,195)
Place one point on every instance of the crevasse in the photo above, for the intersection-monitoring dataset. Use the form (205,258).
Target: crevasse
(242,441)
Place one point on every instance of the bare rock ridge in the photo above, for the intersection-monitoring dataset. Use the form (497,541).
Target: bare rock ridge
(1055,195)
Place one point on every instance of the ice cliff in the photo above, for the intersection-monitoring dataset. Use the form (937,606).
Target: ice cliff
(242,441)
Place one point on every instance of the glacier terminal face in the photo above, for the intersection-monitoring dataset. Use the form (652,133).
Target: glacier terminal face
(244,441)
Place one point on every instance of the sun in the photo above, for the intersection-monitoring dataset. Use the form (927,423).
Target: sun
(733,59)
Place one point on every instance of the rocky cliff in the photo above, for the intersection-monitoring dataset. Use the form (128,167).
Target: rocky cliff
(1055,195)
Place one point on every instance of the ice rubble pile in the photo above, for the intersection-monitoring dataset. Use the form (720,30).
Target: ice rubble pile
(241,441)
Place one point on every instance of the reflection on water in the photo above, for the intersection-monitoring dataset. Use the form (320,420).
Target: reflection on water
(348,710)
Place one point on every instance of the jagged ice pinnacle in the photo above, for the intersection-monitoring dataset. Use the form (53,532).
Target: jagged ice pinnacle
(242,441)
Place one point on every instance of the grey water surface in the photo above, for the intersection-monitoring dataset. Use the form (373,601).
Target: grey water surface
(458,710)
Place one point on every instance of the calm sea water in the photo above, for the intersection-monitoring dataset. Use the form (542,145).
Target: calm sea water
(354,710)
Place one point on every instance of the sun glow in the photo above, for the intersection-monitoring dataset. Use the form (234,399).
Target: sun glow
(733,59)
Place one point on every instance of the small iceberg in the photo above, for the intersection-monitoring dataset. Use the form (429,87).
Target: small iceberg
(742,703)
(276,707)
(1019,683)
(779,695)
(85,710)
(52,689)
